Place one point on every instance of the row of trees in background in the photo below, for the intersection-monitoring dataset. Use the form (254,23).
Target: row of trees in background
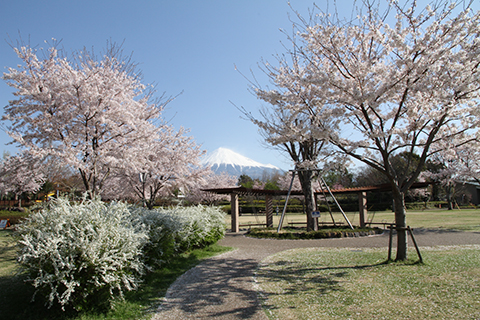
(446,184)
(36,180)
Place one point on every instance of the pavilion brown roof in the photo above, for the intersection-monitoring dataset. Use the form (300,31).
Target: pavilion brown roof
(377,188)
(243,190)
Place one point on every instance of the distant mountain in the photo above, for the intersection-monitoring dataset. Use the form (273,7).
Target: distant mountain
(226,160)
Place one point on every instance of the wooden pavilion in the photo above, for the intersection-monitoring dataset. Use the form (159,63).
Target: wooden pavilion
(235,192)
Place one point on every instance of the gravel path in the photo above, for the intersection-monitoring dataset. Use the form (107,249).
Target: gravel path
(223,288)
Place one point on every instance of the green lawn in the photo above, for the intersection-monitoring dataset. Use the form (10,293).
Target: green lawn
(358,284)
(465,219)
(7,253)
(318,283)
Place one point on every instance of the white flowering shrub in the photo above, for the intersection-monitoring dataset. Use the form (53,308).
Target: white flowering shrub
(76,254)
(83,252)
(176,230)
(162,236)
(204,226)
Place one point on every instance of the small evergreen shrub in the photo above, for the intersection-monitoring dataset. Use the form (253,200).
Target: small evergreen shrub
(78,253)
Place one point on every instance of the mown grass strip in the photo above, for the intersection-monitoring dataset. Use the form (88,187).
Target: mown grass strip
(358,284)
(463,220)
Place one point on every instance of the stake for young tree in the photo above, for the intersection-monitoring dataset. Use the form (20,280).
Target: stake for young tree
(338,205)
(410,231)
(328,206)
(280,223)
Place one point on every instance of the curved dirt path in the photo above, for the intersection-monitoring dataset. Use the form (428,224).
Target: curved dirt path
(223,288)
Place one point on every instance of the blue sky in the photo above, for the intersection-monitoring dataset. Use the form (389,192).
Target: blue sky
(181,46)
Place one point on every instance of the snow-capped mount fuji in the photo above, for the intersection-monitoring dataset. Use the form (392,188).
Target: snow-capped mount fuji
(226,160)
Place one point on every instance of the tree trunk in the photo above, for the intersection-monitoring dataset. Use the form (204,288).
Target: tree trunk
(401,223)
(86,184)
(19,199)
(449,192)
(306,182)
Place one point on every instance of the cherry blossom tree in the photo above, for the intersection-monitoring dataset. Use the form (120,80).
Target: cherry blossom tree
(61,177)
(395,78)
(285,181)
(87,111)
(454,165)
(285,126)
(169,163)
(195,193)
(459,163)
(257,184)
(20,174)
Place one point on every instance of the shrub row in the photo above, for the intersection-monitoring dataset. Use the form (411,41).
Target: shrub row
(322,233)
(83,253)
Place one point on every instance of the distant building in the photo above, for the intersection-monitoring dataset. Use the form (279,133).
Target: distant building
(468,192)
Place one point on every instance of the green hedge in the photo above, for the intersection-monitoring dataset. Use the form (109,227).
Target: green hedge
(14,217)
(322,233)
(348,204)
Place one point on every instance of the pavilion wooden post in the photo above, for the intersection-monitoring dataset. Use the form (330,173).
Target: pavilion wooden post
(235,215)
(269,210)
(362,207)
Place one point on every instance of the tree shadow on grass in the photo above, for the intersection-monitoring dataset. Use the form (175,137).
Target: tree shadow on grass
(295,280)
(216,288)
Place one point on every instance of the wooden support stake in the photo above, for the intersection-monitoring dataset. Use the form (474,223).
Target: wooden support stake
(280,223)
(338,205)
(410,231)
(390,243)
(415,243)
(326,202)
(362,207)
(235,212)
(269,211)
